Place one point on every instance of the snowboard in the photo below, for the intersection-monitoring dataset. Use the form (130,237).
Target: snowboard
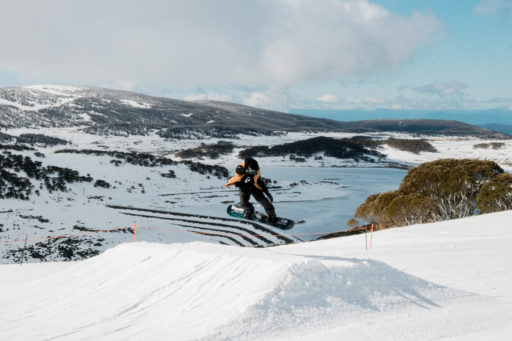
(281,223)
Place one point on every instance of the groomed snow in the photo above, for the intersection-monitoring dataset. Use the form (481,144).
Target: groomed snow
(448,280)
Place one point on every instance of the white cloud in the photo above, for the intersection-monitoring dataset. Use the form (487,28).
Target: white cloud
(209,97)
(123,85)
(500,8)
(328,98)
(219,97)
(195,97)
(341,38)
(443,89)
(272,99)
(158,42)
(500,101)
(364,100)
(430,97)
(257,99)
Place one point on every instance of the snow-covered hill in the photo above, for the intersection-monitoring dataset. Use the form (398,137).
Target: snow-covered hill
(114,112)
(80,165)
(320,190)
(448,280)
(107,111)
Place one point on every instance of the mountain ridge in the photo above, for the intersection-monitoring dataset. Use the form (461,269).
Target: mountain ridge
(107,111)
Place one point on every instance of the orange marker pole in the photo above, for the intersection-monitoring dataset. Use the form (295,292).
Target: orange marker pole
(134,232)
(371,237)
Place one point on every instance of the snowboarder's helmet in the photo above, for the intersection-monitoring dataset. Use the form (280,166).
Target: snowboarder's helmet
(251,164)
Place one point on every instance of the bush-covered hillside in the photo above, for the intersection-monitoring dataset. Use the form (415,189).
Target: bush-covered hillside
(359,148)
(40,139)
(212,151)
(338,148)
(415,146)
(439,190)
(149,160)
(13,183)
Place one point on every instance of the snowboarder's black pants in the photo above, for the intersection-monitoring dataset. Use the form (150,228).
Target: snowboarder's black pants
(260,197)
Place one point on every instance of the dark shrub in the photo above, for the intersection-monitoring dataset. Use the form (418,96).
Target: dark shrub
(493,145)
(496,195)
(213,151)
(439,190)
(410,145)
(101,183)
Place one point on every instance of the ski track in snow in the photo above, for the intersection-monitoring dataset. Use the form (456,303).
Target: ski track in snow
(238,230)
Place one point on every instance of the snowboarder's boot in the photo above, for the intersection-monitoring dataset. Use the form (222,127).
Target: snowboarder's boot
(272,219)
(249,212)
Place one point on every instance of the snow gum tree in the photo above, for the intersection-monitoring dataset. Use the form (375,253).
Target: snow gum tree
(372,210)
(451,185)
(439,190)
(496,195)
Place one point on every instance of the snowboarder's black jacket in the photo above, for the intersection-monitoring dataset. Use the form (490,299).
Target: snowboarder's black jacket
(247,176)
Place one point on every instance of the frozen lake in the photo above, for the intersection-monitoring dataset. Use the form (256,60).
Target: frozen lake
(332,214)
(353,186)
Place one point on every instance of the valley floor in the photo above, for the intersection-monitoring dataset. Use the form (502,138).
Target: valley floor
(321,192)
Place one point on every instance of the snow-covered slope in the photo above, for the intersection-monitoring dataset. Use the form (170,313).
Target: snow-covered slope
(102,111)
(447,280)
(108,111)
(322,191)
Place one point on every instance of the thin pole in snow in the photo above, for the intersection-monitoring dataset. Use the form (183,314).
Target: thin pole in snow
(24,248)
(134,232)
(366,239)
(371,237)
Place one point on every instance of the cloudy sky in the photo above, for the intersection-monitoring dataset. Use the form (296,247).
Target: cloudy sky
(278,54)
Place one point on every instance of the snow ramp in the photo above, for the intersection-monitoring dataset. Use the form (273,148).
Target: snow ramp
(147,291)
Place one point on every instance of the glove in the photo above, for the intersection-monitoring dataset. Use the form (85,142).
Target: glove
(240,170)
(270,197)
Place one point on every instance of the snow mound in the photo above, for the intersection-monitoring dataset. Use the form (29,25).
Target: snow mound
(155,291)
(313,294)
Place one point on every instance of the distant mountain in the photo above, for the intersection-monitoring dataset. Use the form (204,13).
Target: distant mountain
(474,117)
(112,111)
(502,128)
(423,126)
(106,111)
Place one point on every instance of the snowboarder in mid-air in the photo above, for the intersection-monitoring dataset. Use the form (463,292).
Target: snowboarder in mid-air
(248,180)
